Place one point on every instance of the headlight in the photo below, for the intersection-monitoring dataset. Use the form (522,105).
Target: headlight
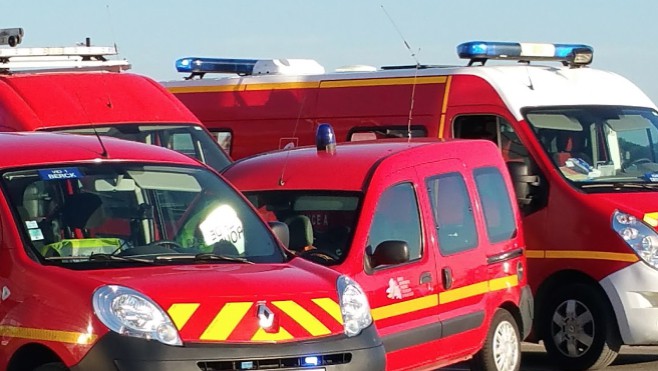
(638,235)
(128,312)
(353,306)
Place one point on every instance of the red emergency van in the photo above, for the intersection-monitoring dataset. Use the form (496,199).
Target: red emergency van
(116,255)
(80,90)
(580,143)
(429,229)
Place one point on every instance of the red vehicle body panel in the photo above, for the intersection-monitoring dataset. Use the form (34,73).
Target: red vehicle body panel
(47,309)
(370,169)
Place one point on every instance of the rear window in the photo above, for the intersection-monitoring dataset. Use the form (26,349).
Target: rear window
(496,204)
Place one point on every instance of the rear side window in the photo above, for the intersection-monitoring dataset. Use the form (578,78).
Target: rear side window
(453,214)
(496,204)
(397,218)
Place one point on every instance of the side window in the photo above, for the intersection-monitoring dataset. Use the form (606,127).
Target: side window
(453,214)
(397,218)
(496,204)
(493,128)
(383,132)
(183,142)
(225,140)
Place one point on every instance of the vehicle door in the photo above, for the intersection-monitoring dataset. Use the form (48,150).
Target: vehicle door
(402,294)
(461,263)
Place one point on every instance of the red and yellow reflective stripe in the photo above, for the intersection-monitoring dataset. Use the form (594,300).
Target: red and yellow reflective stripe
(448,296)
(326,84)
(69,337)
(579,254)
(444,107)
(231,315)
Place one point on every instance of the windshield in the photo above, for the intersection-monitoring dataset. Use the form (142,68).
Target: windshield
(188,139)
(318,222)
(121,212)
(599,144)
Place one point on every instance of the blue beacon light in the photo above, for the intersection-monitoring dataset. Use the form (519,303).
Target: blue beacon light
(216,65)
(311,361)
(575,54)
(325,139)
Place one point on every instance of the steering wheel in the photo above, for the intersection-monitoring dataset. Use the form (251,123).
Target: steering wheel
(639,161)
(319,256)
(170,244)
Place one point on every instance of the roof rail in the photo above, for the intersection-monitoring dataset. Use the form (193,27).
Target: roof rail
(51,59)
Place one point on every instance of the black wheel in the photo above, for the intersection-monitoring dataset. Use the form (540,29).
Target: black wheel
(55,366)
(579,329)
(502,347)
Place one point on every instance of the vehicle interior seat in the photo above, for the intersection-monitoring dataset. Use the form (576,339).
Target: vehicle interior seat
(301,233)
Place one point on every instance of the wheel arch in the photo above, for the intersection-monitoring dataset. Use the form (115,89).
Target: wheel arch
(30,356)
(559,279)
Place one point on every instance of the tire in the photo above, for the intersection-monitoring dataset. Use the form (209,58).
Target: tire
(502,347)
(579,330)
(55,366)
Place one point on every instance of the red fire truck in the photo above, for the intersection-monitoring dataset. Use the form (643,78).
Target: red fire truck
(581,145)
(118,255)
(81,90)
(429,229)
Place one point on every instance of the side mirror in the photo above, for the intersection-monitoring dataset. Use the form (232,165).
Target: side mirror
(390,252)
(280,230)
(530,187)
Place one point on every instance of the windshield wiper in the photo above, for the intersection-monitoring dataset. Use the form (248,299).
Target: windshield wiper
(620,185)
(204,256)
(101,257)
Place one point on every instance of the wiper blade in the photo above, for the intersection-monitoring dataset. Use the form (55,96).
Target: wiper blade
(620,185)
(100,257)
(211,256)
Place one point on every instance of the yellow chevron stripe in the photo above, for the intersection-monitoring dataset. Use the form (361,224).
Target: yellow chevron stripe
(651,219)
(303,317)
(68,337)
(225,321)
(261,335)
(383,82)
(463,292)
(331,307)
(404,307)
(503,283)
(576,254)
(180,313)
(444,107)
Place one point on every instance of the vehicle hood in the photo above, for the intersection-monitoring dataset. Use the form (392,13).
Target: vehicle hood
(643,205)
(222,302)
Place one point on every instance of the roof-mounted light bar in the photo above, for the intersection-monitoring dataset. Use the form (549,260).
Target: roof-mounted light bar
(197,67)
(49,59)
(574,55)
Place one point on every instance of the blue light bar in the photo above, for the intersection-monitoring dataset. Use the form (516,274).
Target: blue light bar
(482,50)
(325,139)
(216,65)
(311,361)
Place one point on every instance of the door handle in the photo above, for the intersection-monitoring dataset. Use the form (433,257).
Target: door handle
(446,275)
(425,277)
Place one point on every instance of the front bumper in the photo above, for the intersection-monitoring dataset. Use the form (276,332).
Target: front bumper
(633,292)
(121,353)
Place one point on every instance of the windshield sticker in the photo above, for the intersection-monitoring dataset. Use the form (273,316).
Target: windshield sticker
(398,288)
(223,224)
(651,177)
(31,224)
(60,174)
(35,234)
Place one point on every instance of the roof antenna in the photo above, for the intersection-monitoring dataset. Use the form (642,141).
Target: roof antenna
(414,56)
(291,145)
(104,153)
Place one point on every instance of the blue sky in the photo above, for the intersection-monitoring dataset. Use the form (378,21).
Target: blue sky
(153,34)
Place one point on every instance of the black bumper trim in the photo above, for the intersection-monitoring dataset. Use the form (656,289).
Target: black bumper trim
(114,352)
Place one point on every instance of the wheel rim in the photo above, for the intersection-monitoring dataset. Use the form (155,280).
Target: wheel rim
(573,328)
(505,347)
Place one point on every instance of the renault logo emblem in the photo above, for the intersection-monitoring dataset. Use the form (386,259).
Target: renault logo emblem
(265,316)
